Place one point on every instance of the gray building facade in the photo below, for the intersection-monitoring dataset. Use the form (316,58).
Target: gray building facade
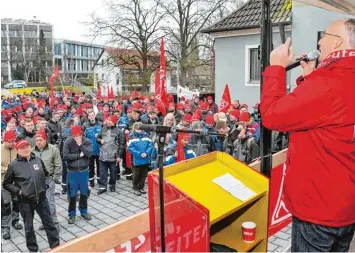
(22,50)
(237,37)
(75,59)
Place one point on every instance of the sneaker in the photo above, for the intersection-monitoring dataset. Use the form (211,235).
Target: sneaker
(124,172)
(112,188)
(6,235)
(101,191)
(17,226)
(129,177)
(64,190)
(71,220)
(142,191)
(136,192)
(86,216)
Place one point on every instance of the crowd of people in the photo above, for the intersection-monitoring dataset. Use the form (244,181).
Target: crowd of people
(80,141)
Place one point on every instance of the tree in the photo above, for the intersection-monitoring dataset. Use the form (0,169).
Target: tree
(186,20)
(130,25)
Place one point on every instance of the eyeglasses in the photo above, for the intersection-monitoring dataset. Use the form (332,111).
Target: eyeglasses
(324,34)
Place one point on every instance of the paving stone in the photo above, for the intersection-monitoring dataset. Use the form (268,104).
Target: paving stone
(133,208)
(110,221)
(93,211)
(102,216)
(82,233)
(115,215)
(96,222)
(283,235)
(271,238)
(74,229)
(272,247)
(9,247)
(22,247)
(17,240)
(127,213)
(280,242)
(67,236)
(89,228)
(101,226)
(43,245)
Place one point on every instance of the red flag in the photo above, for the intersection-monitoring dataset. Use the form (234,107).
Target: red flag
(164,97)
(98,93)
(225,101)
(112,95)
(51,82)
(157,81)
(135,94)
(180,149)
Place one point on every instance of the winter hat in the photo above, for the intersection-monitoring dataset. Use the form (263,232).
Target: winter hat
(182,98)
(9,136)
(130,109)
(41,134)
(256,106)
(187,118)
(8,118)
(244,105)
(21,143)
(114,119)
(171,98)
(180,106)
(185,136)
(209,119)
(244,117)
(195,117)
(76,131)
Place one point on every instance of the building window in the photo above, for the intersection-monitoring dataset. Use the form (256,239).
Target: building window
(102,77)
(57,48)
(252,65)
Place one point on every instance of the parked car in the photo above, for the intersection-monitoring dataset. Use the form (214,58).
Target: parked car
(15,84)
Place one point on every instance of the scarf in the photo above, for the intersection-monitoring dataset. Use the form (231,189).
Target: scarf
(336,56)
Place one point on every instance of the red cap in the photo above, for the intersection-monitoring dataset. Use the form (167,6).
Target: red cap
(244,117)
(171,98)
(41,134)
(235,113)
(114,119)
(21,117)
(76,131)
(80,111)
(187,117)
(130,109)
(25,105)
(137,106)
(21,143)
(17,108)
(209,119)
(123,99)
(35,119)
(187,106)
(185,136)
(244,105)
(251,130)
(9,136)
(149,108)
(182,98)
(119,108)
(256,105)
(142,98)
(204,105)
(180,106)
(209,98)
(8,118)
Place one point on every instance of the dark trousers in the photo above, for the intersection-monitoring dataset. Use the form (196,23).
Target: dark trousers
(64,174)
(8,216)
(139,174)
(104,168)
(93,160)
(42,209)
(309,237)
(78,181)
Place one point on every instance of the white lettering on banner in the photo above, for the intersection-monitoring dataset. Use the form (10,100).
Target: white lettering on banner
(248,233)
(141,239)
(276,218)
(352,54)
(183,242)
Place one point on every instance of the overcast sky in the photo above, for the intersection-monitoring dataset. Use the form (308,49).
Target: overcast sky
(64,15)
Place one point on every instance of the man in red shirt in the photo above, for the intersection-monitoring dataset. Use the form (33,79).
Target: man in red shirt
(319,184)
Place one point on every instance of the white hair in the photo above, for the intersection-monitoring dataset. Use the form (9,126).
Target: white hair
(350,27)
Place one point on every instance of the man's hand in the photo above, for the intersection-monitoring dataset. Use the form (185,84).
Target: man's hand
(81,154)
(282,55)
(307,67)
(176,154)
(118,160)
(144,155)
(102,142)
(126,131)
(78,140)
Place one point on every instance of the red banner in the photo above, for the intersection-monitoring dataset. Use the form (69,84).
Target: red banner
(279,216)
(140,243)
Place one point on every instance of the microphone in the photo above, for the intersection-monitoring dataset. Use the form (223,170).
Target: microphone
(309,57)
(155,128)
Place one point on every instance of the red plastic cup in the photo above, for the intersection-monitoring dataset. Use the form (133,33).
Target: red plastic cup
(249,231)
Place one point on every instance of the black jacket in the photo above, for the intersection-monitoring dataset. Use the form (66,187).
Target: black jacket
(54,132)
(202,144)
(28,177)
(71,154)
(114,143)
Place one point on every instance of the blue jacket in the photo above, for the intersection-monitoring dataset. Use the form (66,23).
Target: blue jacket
(90,130)
(138,144)
(123,121)
(144,117)
(171,159)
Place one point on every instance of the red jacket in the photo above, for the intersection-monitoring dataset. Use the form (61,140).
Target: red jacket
(319,184)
